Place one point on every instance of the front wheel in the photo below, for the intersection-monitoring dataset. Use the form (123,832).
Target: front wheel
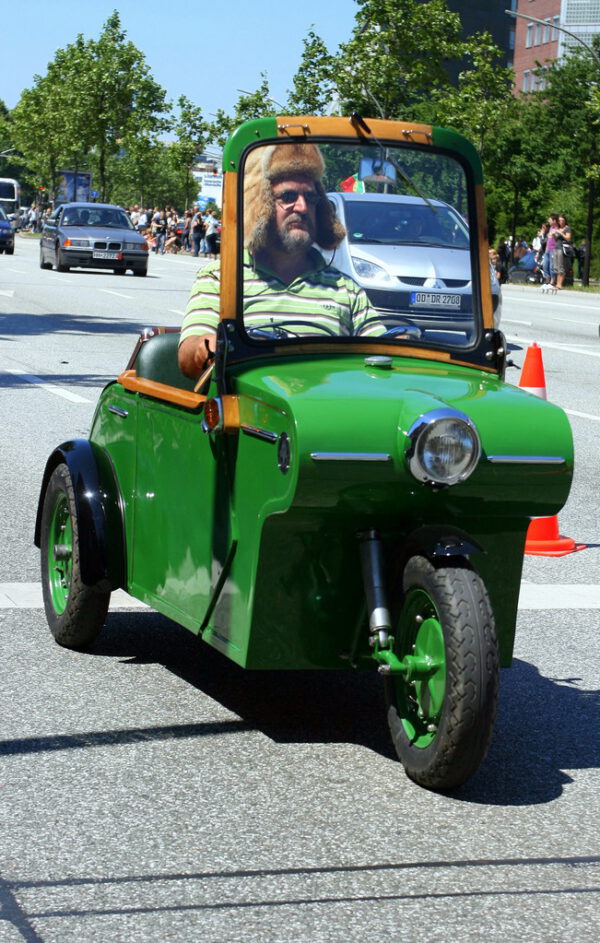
(61,265)
(441,712)
(75,612)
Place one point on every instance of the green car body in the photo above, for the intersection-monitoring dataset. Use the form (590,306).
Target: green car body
(247,532)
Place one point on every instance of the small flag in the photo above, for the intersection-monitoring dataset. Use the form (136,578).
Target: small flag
(352,185)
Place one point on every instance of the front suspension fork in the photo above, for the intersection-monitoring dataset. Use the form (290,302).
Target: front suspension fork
(411,667)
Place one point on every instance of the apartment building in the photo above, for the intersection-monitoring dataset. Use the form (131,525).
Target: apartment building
(539,41)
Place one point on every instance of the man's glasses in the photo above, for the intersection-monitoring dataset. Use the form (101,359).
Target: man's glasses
(290,197)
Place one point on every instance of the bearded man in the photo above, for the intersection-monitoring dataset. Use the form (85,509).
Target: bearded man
(286,214)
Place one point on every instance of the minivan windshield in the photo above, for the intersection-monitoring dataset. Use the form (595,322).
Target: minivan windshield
(370,241)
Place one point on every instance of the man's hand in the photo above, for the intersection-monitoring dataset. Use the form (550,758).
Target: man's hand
(194,353)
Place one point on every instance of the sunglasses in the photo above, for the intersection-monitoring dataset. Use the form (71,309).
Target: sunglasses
(290,197)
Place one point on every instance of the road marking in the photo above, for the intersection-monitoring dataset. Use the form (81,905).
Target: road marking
(49,387)
(570,348)
(575,412)
(175,311)
(29,596)
(533,596)
(8,294)
(117,293)
(513,321)
(18,271)
(559,596)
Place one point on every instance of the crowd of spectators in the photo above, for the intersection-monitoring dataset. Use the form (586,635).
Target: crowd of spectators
(195,231)
(547,259)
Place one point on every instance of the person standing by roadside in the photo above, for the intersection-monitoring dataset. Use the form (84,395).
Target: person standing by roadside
(159,226)
(212,229)
(562,237)
(548,259)
(186,231)
(198,229)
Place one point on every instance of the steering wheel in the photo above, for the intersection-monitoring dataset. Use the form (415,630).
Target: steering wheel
(281,330)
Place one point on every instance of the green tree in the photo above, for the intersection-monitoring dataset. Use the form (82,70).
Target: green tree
(396,57)
(313,89)
(190,138)
(570,105)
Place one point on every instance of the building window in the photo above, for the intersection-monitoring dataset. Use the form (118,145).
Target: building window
(581,12)
(526,77)
(555,23)
(529,36)
(547,31)
(538,34)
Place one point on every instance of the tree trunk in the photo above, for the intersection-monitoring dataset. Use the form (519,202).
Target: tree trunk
(589,231)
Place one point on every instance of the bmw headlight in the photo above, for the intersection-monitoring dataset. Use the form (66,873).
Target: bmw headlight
(365,269)
(444,447)
(132,245)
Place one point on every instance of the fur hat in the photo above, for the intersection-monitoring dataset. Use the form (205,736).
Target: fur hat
(263,167)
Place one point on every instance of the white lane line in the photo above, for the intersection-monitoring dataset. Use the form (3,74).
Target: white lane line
(117,293)
(7,294)
(556,299)
(175,311)
(29,596)
(49,387)
(533,596)
(572,321)
(514,321)
(18,271)
(575,412)
(559,596)
(568,347)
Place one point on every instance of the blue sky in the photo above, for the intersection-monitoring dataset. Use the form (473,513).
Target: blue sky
(205,51)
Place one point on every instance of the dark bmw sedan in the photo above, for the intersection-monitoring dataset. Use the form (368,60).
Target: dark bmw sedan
(92,235)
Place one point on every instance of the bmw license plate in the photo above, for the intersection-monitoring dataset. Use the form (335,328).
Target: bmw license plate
(106,255)
(434,299)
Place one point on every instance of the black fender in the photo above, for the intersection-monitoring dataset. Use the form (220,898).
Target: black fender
(99,512)
(437,542)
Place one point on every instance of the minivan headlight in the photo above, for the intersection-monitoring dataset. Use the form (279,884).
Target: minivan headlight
(444,447)
(365,269)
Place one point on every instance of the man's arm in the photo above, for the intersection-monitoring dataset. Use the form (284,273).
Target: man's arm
(198,331)
(193,354)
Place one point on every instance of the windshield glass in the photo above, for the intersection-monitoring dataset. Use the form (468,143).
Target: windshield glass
(96,216)
(3,214)
(369,241)
(8,190)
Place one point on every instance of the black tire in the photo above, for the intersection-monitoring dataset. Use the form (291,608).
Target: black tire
(119,271)
(442,721)
(43,263)
(10,251)
(75,612)
(142,271)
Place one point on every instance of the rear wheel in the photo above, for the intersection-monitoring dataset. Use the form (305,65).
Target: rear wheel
(75,612)
(10,251)
(141,270)
(441,717)
(119,271)
(43,263)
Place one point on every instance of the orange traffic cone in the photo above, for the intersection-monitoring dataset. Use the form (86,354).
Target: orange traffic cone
(543,537)
(544,540)
(532,375)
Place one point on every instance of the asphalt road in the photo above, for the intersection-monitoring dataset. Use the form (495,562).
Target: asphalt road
(151,791)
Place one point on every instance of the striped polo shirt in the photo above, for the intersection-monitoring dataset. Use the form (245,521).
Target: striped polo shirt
(322,295)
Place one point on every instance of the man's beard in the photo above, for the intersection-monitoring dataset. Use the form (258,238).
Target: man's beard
(290,238)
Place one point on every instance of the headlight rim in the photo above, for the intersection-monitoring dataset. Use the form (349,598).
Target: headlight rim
(423,426)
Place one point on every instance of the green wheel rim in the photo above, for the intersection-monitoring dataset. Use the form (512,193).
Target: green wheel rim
(60,553)
(420,699)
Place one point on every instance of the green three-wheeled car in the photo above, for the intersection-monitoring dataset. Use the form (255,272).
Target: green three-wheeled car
(320,497)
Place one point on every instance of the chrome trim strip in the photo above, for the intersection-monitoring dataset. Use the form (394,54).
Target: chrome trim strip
(350,457)
(526,459)
(118,412)
(257,433)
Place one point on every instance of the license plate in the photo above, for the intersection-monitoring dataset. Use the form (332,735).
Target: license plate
(106,255)
(434,299)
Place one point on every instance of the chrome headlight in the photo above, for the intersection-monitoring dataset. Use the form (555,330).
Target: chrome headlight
(444,447)
(132,245)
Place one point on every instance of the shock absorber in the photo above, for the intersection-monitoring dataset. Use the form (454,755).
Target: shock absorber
(371,558)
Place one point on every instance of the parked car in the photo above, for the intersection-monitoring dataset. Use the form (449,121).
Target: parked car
(7,234)
(411,255)
(92,235)
(333,492)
